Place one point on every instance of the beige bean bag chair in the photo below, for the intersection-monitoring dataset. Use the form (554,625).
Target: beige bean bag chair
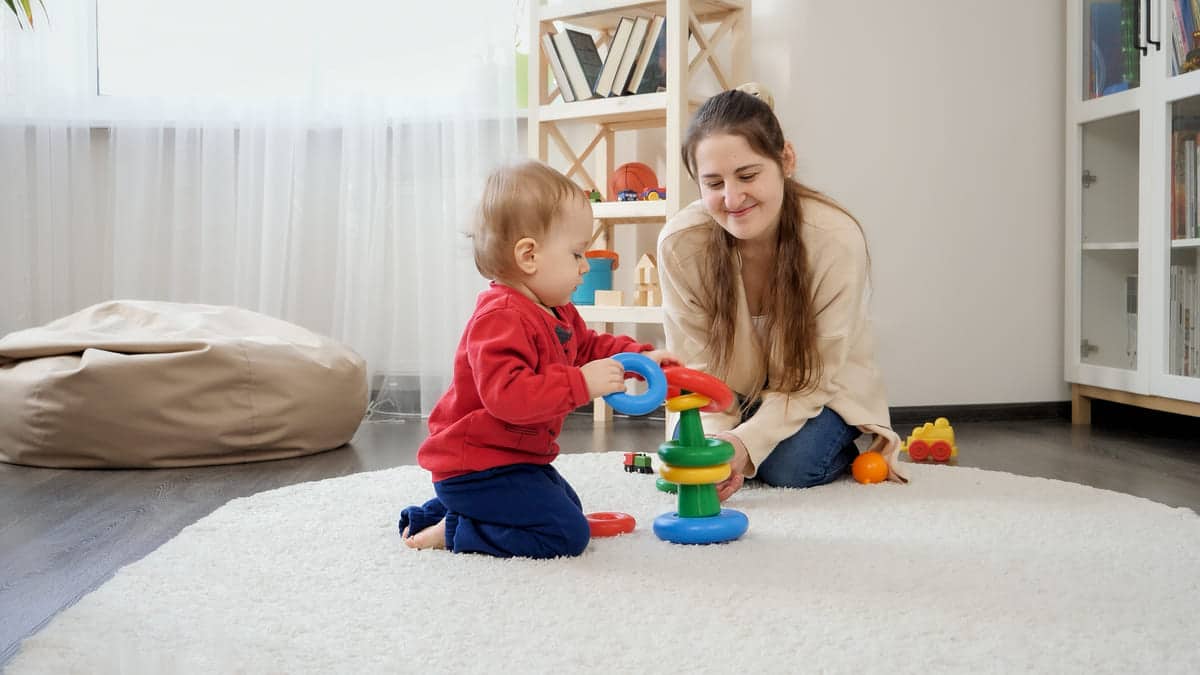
(158,384)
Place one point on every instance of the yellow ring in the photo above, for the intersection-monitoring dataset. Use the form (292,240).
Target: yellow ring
(698,475)
(687,402)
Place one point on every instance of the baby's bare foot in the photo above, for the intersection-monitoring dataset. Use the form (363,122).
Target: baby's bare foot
(433,536)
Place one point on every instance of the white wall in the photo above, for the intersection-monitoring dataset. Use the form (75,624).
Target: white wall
(939,124)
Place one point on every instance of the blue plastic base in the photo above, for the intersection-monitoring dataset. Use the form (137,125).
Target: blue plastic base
(727,525)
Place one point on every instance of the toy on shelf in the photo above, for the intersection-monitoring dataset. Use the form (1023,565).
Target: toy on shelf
(599,276)
(694,463)
(595,196)
(632,176)
(654,194)
(638,462)
(869,467)
(649,293)
(609,298)
(627,196)
(933,440)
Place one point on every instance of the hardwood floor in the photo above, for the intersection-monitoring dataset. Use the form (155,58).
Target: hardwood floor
(63,533)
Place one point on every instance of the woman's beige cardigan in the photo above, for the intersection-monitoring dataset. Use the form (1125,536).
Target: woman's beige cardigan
(851,384)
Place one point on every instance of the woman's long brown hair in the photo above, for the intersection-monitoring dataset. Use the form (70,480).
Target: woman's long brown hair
(787,301)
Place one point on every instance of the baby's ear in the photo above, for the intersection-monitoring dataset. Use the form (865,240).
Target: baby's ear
(525,254)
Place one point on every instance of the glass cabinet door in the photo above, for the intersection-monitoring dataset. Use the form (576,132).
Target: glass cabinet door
(1181,39)
(1109,246)
(1112,46)
(1183,294)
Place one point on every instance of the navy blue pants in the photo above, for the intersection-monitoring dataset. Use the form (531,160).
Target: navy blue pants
(821,451)
(523,510)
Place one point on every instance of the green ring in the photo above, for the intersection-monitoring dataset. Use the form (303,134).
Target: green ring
(714,451)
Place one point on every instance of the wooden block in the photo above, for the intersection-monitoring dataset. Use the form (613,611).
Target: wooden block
(610,298)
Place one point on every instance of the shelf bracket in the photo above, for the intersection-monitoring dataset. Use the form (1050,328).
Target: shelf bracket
(706,46)
(576,160)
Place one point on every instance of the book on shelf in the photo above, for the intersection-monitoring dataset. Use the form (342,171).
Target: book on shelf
(1183,351)
(632,50)
(556,67)
(581,61)
(1131,319)
(612,61)
(650,73)
(1185,177)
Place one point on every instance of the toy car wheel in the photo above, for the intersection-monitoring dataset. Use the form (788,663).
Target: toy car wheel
(918,451)
(940,451)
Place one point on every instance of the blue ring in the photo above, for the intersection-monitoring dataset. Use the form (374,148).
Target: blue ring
(656,391)
(727,525)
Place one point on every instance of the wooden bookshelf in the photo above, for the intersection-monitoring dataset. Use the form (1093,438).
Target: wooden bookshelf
(701,36)
(608,315)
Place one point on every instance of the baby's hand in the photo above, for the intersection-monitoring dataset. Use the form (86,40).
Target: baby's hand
(663,358)
(603,376)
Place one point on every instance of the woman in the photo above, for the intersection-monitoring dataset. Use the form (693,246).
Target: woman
(765,286)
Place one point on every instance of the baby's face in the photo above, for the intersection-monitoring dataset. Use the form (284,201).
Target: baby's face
(560,262)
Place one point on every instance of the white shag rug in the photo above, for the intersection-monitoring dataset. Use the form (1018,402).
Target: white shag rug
(962,570)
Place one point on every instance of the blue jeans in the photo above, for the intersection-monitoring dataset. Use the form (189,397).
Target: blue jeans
(820,452)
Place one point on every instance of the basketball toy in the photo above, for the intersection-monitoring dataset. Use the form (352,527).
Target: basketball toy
(633,176)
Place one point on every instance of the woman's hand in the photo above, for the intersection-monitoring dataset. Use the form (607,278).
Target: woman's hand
(727,487)
(663,358)
(739,465)
(892,458)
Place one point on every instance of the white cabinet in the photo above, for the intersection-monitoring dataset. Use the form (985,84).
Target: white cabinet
(1132,198)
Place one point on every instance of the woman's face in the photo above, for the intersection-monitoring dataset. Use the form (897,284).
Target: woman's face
(741,189)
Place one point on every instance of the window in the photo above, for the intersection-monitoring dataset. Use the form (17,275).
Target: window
(289,47)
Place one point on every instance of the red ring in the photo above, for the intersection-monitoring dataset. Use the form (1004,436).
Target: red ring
(679,377)
(610,523)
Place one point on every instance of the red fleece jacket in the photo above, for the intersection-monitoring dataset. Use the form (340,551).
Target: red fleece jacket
(516,377)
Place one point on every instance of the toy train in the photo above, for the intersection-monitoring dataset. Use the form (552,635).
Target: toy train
(638,462)
(932,441)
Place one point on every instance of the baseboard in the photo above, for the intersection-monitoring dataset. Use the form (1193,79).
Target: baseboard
(976,412)
(981,412)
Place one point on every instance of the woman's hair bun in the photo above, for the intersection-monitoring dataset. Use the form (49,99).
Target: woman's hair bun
(759,90)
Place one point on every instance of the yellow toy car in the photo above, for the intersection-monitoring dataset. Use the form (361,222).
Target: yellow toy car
(934,440)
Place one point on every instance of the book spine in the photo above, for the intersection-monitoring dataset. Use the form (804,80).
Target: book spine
(556,67)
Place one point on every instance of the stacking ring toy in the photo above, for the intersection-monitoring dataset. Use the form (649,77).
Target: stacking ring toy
(727,525)
(701,383)
(711,451)
(610,523)
(687,402)
(656,389)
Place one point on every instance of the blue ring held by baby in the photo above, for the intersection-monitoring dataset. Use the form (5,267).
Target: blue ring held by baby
(656,390)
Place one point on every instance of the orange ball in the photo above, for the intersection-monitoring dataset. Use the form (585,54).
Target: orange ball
(869,467)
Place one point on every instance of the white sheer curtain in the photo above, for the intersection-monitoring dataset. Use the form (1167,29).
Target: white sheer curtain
(334,207)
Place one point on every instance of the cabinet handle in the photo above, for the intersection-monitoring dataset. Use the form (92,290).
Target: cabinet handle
(1143,30)
(1158,44)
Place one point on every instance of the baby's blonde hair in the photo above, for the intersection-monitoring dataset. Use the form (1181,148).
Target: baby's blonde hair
(519,200)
